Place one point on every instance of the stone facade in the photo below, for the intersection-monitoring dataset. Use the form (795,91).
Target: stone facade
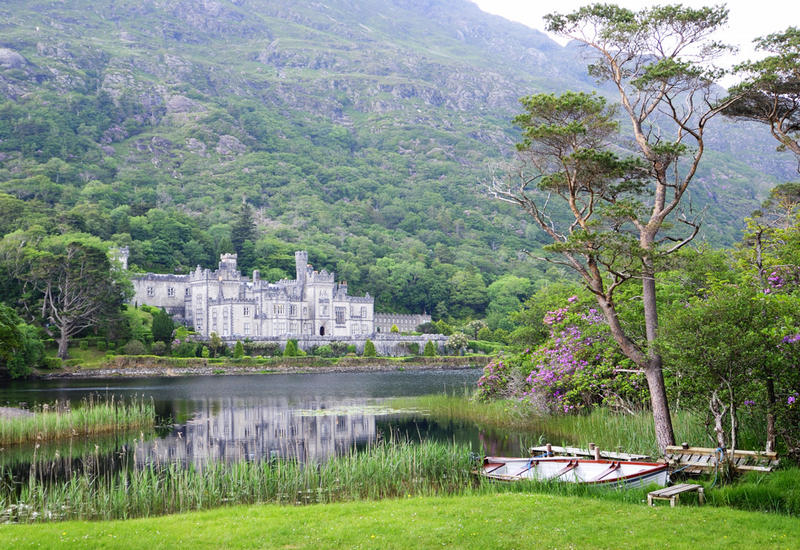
(404,322)
(236,307)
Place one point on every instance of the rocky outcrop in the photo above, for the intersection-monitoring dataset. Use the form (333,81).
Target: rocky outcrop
(9,59)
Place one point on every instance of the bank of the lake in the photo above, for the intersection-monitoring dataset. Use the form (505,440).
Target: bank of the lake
(507,520)
(140,366)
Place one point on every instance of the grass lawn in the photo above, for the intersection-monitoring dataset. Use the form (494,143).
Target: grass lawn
(505,520)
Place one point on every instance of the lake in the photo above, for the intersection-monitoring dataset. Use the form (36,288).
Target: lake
(308,417)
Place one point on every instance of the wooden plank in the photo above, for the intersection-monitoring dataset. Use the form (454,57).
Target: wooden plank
(747,468)
(677,449)
(575,451)
(696,466)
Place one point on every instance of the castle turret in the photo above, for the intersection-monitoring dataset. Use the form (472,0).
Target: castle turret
(301,266)
(228,263)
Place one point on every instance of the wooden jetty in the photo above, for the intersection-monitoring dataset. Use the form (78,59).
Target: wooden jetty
(699,460)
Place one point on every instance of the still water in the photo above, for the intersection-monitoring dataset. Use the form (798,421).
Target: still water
(309,417)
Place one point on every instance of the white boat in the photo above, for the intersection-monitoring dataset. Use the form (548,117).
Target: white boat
(576,470)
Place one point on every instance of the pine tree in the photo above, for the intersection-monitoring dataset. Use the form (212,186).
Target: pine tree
(244,228)
(369,349)
(430,349)
(162,327)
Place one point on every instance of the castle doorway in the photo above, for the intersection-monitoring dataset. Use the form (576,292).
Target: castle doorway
(322,331)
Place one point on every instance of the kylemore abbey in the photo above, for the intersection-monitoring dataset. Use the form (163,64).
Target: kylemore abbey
(313,308)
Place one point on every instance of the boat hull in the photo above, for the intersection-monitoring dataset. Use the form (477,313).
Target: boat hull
(575,470)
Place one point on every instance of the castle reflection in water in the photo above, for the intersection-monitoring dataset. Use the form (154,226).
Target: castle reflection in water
(235,430)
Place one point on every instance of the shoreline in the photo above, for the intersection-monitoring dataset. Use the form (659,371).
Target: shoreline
(151,366)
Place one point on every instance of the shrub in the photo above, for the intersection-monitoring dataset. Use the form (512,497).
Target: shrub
(443,328)
(83,345)
(267,349)
(134,347)
(501,335)
(51,362)
(338,348)
(412,348)
(185,349)
(238,350)
(473,327)
(457,342)
(102,345)
(158,348)
(485,333)
(322,351)
(430,349)
(394,329)
(291,349)
(369,349)
(204,353)
(481,347)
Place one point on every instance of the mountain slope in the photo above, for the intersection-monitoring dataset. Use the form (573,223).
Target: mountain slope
(358,129)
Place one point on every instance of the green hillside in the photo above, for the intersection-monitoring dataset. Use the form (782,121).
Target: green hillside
(359,130)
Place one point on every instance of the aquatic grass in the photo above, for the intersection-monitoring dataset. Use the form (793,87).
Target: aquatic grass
(92,417)
(777,492)
(390,469)
(632,433)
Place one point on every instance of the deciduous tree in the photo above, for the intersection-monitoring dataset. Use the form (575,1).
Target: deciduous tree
(618,208)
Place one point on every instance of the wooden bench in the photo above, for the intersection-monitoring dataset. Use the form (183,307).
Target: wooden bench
(673,494)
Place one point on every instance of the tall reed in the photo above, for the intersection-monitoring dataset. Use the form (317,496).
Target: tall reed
(391,469)
(93,416)
(632,433)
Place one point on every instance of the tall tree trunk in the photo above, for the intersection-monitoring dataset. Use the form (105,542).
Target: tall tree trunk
(653,369)
(63,346)
(770,414)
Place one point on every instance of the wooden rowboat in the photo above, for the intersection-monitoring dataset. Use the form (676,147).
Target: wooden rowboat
(575,470)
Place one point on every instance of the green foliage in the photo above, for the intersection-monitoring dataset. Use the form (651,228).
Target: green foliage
(185,349)
(322,351)
(291,348)
(134,347)
(205,353)
(83,344)
(238,350)
(267,349)
(139,322)
(162,326)
(216,346)
(369,349)
(430,349)
(771,89)
(21,349)
(394,329)
(158,348)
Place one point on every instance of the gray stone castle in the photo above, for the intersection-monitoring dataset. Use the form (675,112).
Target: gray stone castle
(313,308)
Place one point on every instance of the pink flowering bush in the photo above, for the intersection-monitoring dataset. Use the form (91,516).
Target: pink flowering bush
(576,367)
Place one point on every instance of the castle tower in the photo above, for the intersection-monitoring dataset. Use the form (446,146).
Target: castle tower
(301,266)
(124,253)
